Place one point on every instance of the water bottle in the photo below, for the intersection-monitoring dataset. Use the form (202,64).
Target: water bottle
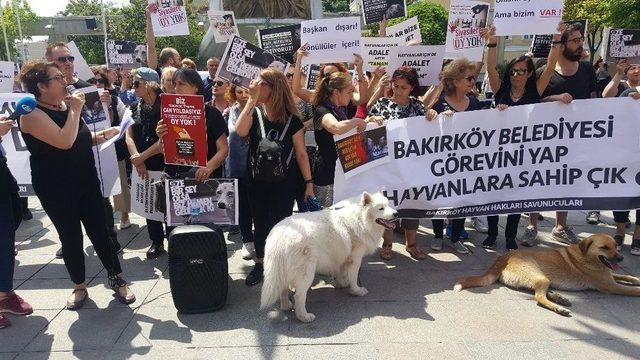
(195,213)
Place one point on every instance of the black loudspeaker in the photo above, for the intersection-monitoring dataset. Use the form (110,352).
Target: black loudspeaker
(198,272)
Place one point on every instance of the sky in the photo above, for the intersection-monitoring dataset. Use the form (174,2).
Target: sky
(51,7)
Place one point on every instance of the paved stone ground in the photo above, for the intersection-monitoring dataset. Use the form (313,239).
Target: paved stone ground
(410,312)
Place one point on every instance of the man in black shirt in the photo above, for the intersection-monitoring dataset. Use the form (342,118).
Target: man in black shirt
(571,80)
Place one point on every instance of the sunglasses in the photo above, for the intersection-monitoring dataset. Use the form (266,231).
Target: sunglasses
(94,81)
(64,59)
(519,72)
(218,83)
(289,76)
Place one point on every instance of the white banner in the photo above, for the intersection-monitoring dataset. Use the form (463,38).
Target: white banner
(331,40)
(144,195)
(15,147)
(426,59)
(466,18)
(375,51)
(7,76)
(80,66)
(549,156)
(407,30)
(170,19)
(526,17)
(223,25)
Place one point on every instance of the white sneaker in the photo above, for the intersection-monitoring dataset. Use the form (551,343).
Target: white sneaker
(480,224)
(125,225)
(436,244)
(460,248)
(247,251)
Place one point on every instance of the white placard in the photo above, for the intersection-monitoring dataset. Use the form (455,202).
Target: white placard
(170,19)
(408,30)
(526,17)
(144,195)
(466,18)
(15,147)
(375,51)
(223,25)
(7,76)
(426,59)
(331,40)
(526,158)
(80,67)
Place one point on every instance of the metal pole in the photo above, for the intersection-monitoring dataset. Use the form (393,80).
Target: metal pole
(22,50)
(4,32)
(104,30)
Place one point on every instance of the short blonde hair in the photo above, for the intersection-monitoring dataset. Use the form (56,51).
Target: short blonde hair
(188,63)
(167,73)
(455,70)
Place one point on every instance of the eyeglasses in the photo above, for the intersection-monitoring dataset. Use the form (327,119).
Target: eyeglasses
(578,40)
(58,77)
(289,75)
(136,83)
(97,81)
(64,59)
(218,83)
(519,72)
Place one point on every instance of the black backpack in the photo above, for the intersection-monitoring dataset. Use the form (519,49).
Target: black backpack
(267,163)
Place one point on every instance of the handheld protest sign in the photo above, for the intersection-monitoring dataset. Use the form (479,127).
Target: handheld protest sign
(223,25)
(170,18)
(466,18)
(331,40)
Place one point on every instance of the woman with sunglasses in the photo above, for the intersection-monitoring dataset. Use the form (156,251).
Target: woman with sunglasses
(272,201)
(458,80)
(144,144)
(519,86)
(188,82)
(219,89)
(64,176)
(116,108)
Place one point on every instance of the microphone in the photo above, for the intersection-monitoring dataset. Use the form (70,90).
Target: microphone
(23,107)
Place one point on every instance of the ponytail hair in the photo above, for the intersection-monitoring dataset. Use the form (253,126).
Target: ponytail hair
(328,83)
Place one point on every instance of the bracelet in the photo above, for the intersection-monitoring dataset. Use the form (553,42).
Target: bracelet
(492,45)
(310,181)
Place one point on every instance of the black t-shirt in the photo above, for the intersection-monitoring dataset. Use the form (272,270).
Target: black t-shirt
(442,105)
(530,96)
(146,119)
(216,127)
(255,135)
(580,85)
(628,92)
(325,164)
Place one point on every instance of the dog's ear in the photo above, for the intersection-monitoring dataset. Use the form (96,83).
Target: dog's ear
(585,245)
(366,198)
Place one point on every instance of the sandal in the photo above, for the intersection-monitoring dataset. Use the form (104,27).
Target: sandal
(385,252)
(116,283)
(77,304)
(415,252)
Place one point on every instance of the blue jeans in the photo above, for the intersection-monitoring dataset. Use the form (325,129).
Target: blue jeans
(7,245)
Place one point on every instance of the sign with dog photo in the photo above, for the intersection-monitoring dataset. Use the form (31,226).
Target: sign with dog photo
(170,19)
(361,151)
(528,158)
(466,18)
(214,201)
(374,11)
(242,62)
(186,141)
(223,25)
(126,54)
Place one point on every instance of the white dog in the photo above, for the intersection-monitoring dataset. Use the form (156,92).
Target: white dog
(332,241)
(227,199)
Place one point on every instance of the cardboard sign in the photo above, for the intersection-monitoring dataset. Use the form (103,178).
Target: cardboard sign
(214,201)
(80,67)
(186,141)
(282,41)
(170,19)
(426,59)
(406,31)
(623,44)
(243,61)
(524,17)
(126,54)
(375,51)
(15,147)
(223,25)
(331,40)
(374,11)
(7,76)
(466,18)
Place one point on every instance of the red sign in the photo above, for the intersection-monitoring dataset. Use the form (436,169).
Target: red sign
(186,141)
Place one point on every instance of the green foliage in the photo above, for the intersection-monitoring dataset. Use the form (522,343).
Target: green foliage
(334,6)
(8,16)
(432,19)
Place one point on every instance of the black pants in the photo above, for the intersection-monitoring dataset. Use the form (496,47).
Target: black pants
(108,219)
(622,217)
(245,218)
(156,230)
(457,225)
(67,208)
(270,203)
(7,243)
(510,232)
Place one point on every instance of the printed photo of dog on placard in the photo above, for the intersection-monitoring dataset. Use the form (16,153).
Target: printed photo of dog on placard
(211,202)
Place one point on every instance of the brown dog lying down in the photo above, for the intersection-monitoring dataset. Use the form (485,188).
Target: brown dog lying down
(589,264)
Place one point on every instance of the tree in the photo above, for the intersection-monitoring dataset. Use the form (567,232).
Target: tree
(432,19)
(335,6)
(8,16)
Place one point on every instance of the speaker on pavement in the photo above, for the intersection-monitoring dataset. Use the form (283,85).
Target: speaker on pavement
(198,272)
